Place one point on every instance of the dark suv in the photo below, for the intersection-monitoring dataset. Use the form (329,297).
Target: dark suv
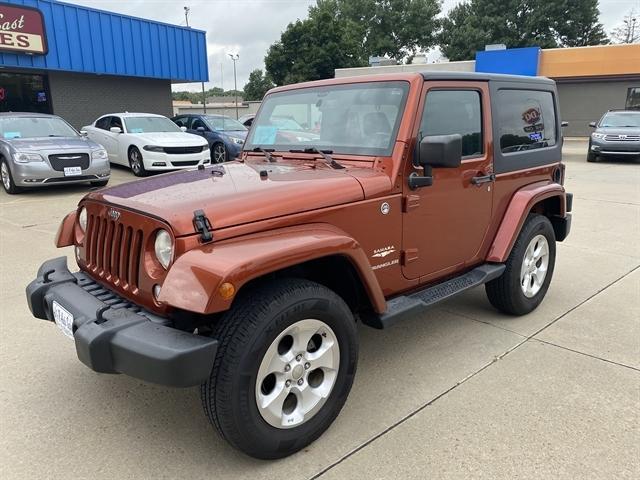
(224,134)
(617,134)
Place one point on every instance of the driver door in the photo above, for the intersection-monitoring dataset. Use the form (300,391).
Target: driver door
(445,224)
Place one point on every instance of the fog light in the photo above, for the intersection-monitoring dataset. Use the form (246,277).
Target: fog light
(226,290)
(156,291)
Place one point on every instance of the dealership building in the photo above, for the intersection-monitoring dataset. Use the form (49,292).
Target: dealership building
(80,63)
(591,80)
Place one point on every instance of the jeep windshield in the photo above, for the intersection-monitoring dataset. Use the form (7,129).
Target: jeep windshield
(357,119)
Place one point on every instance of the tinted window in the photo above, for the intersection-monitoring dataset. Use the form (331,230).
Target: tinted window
(196,123)
(526,120)
(633,98)
(181,121)
(103,123)
(447,112)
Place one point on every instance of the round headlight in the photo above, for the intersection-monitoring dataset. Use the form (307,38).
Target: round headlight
(164,248)
(82,219)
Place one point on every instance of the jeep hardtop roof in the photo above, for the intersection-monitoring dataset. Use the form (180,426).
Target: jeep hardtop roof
(436,76)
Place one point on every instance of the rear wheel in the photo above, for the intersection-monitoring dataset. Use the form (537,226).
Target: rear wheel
(136,163)
(525,281)
(7,180)
(218,153)
(284,367)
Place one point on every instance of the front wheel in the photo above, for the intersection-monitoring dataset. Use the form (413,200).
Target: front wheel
(136,163)
(525,281)
(7,180)
(218,153)
(284,367)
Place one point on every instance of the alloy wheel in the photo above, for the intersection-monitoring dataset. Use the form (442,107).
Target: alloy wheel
(6,178)
(534,266)
(219,153)
(134,159)
(297,373)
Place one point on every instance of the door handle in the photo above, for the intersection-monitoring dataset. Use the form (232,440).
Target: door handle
(483,179)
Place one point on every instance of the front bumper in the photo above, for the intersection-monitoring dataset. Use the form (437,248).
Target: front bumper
(614,148)
(159,161)
(34,174)
(113,335)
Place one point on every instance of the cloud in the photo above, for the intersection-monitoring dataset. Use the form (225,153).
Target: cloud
(249,27)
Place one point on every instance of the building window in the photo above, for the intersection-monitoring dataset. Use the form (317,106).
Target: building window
(633,99)
(21,92)
(448,112)
(526,120)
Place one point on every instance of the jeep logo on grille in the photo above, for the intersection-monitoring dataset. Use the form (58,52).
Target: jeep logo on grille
(113,214)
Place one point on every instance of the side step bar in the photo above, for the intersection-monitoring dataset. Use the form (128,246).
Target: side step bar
(405,306)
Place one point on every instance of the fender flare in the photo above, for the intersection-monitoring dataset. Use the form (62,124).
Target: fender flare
(521,204)
(193,281)
(65,234)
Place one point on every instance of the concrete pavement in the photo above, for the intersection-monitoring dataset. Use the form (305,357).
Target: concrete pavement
(463,392)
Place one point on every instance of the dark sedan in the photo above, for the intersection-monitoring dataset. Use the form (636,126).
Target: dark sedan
(225,135)
(617,134)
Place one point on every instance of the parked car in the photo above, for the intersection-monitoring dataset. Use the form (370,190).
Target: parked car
(224,134)
(40,150)
(147,142)
(617,134)
(247,278)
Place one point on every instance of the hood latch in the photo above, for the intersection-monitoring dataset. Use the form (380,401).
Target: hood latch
(203,226)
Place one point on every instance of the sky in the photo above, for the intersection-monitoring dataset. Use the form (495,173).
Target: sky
(249,27)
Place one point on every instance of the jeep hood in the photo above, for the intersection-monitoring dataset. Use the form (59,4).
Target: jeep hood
(240,195)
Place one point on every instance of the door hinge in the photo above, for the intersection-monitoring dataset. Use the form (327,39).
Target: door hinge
(409,255)
(410,202)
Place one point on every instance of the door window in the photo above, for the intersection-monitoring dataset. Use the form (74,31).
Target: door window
(116,122)
(181,121)
(633,98)
(103,123)
(197,123)
(447,112)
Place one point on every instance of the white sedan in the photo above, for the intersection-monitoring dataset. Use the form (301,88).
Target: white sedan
(147,142)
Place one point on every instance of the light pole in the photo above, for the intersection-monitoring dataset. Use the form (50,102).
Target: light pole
(235,57)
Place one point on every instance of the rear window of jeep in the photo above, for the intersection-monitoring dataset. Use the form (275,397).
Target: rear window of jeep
(526,120)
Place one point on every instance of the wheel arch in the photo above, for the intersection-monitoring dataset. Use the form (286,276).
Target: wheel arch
(318,252)
(544,198)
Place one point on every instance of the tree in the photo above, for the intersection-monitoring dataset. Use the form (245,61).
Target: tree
(519,23)
(344,33)
(629,30)
(257,85)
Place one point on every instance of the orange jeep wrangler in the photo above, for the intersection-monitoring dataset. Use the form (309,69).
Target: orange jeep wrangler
(369,198)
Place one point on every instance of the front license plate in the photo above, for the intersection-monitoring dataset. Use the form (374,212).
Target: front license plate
(63,319)
(72,171)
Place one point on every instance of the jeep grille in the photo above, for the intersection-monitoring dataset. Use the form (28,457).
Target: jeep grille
(113,251)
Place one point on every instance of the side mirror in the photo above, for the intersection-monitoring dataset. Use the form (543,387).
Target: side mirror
(183,128)
(84,133)
(200,130)
(443,151)
(564,124)
(115,130)
(592,124)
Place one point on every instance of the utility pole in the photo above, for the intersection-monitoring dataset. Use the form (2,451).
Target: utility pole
(235,58)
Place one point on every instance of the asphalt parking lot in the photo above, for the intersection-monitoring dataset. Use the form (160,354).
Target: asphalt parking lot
(463,392)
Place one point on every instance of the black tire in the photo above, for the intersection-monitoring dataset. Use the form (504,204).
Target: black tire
(592,157)
(505,292)
(219,153)
(136,164)
(99,183)
(10,186)
(245,333)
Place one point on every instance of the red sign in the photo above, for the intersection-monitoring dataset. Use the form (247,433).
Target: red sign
(22,29)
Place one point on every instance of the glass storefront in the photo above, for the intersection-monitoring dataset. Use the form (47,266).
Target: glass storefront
(20,92)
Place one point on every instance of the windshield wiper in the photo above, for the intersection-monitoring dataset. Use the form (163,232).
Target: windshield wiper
(266,152)
(324,153)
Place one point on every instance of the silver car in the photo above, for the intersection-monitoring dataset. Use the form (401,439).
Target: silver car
(37,149)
